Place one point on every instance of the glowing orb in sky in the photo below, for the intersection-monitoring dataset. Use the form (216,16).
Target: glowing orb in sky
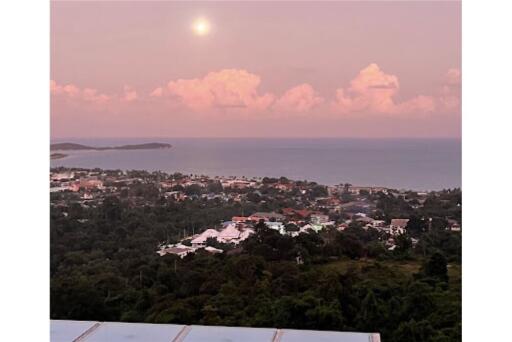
(201,27)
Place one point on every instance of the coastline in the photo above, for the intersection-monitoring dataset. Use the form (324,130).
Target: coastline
(54,156)
(357,186)
(403,164)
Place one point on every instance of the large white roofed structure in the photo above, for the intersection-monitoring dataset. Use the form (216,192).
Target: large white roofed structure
(87,331)
(229,233)
(209,233)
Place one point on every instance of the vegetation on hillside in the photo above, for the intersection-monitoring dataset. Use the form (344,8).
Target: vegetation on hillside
(104,267)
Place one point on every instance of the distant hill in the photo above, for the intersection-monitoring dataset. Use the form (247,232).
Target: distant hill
(58,155)
(79,147)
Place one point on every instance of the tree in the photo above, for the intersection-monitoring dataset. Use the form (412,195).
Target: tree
(318,191)
(346,196)
(436,267)
(193,189)
(403,243)
(413,331)
(214,187)
(350,246)
(416,226)
(371,313)
(260,226)
(290,227)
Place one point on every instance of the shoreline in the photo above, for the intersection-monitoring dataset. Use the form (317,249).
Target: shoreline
(55,156)
(245,177)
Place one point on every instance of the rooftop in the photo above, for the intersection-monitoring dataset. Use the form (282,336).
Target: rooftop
(91,331)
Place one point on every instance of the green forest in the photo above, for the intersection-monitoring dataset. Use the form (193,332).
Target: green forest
(104,267)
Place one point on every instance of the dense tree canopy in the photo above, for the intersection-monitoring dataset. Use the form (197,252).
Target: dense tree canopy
(104,267)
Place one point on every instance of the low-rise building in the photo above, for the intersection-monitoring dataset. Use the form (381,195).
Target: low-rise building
(319,218)
(200,240)
(178,250)
(267,216)
(398,226)
(279,226)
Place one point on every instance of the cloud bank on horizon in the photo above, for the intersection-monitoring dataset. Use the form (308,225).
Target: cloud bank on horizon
(234,94)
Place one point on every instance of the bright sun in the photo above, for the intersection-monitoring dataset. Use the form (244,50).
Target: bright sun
(201,27)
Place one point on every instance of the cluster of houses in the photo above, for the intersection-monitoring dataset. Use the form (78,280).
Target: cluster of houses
(241,227)
(333,208)
(291,222)
(72,181)
(92,184)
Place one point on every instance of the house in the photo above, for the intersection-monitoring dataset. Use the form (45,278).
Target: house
(62,176)
(213,250)
(200,241)
(314,227)
(229,233)
(356,190)
(453,226)
(167,184)
(91,184)
(267,216)
(240,219)
(319,218)
(75,186)
(398,226)
(279,226)
(181,251)
(284,186)
(294,214)
(399,223)
(378,223)
(58,189)
(175,195)
(342,227)
(87,196)
(237,184)
(333,201)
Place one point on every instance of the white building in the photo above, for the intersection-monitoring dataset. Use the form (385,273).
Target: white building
(279,226)
(179,250)
(200,241)
(229,233)
(398,226)
(319,218)
(213,250)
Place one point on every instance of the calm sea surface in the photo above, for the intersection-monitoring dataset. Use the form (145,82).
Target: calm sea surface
(420,164)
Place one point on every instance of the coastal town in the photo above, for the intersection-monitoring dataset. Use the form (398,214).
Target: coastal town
(294,207)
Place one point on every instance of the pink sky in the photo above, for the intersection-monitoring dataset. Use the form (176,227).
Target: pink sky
(290,69)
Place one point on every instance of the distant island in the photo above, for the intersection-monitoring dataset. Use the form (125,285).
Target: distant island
(79,147)
(58,155)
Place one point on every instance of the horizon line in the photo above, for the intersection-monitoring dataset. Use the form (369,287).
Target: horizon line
(260,137)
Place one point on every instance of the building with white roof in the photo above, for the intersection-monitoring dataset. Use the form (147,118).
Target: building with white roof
(279,226)
(201,239)
(229,233)
(93,331)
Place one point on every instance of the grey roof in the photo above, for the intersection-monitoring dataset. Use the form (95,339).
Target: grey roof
(65,331)
(88,331)
(134,332)
(228,334)
(325,336)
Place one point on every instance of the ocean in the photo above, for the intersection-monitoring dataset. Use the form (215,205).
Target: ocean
(417,164)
